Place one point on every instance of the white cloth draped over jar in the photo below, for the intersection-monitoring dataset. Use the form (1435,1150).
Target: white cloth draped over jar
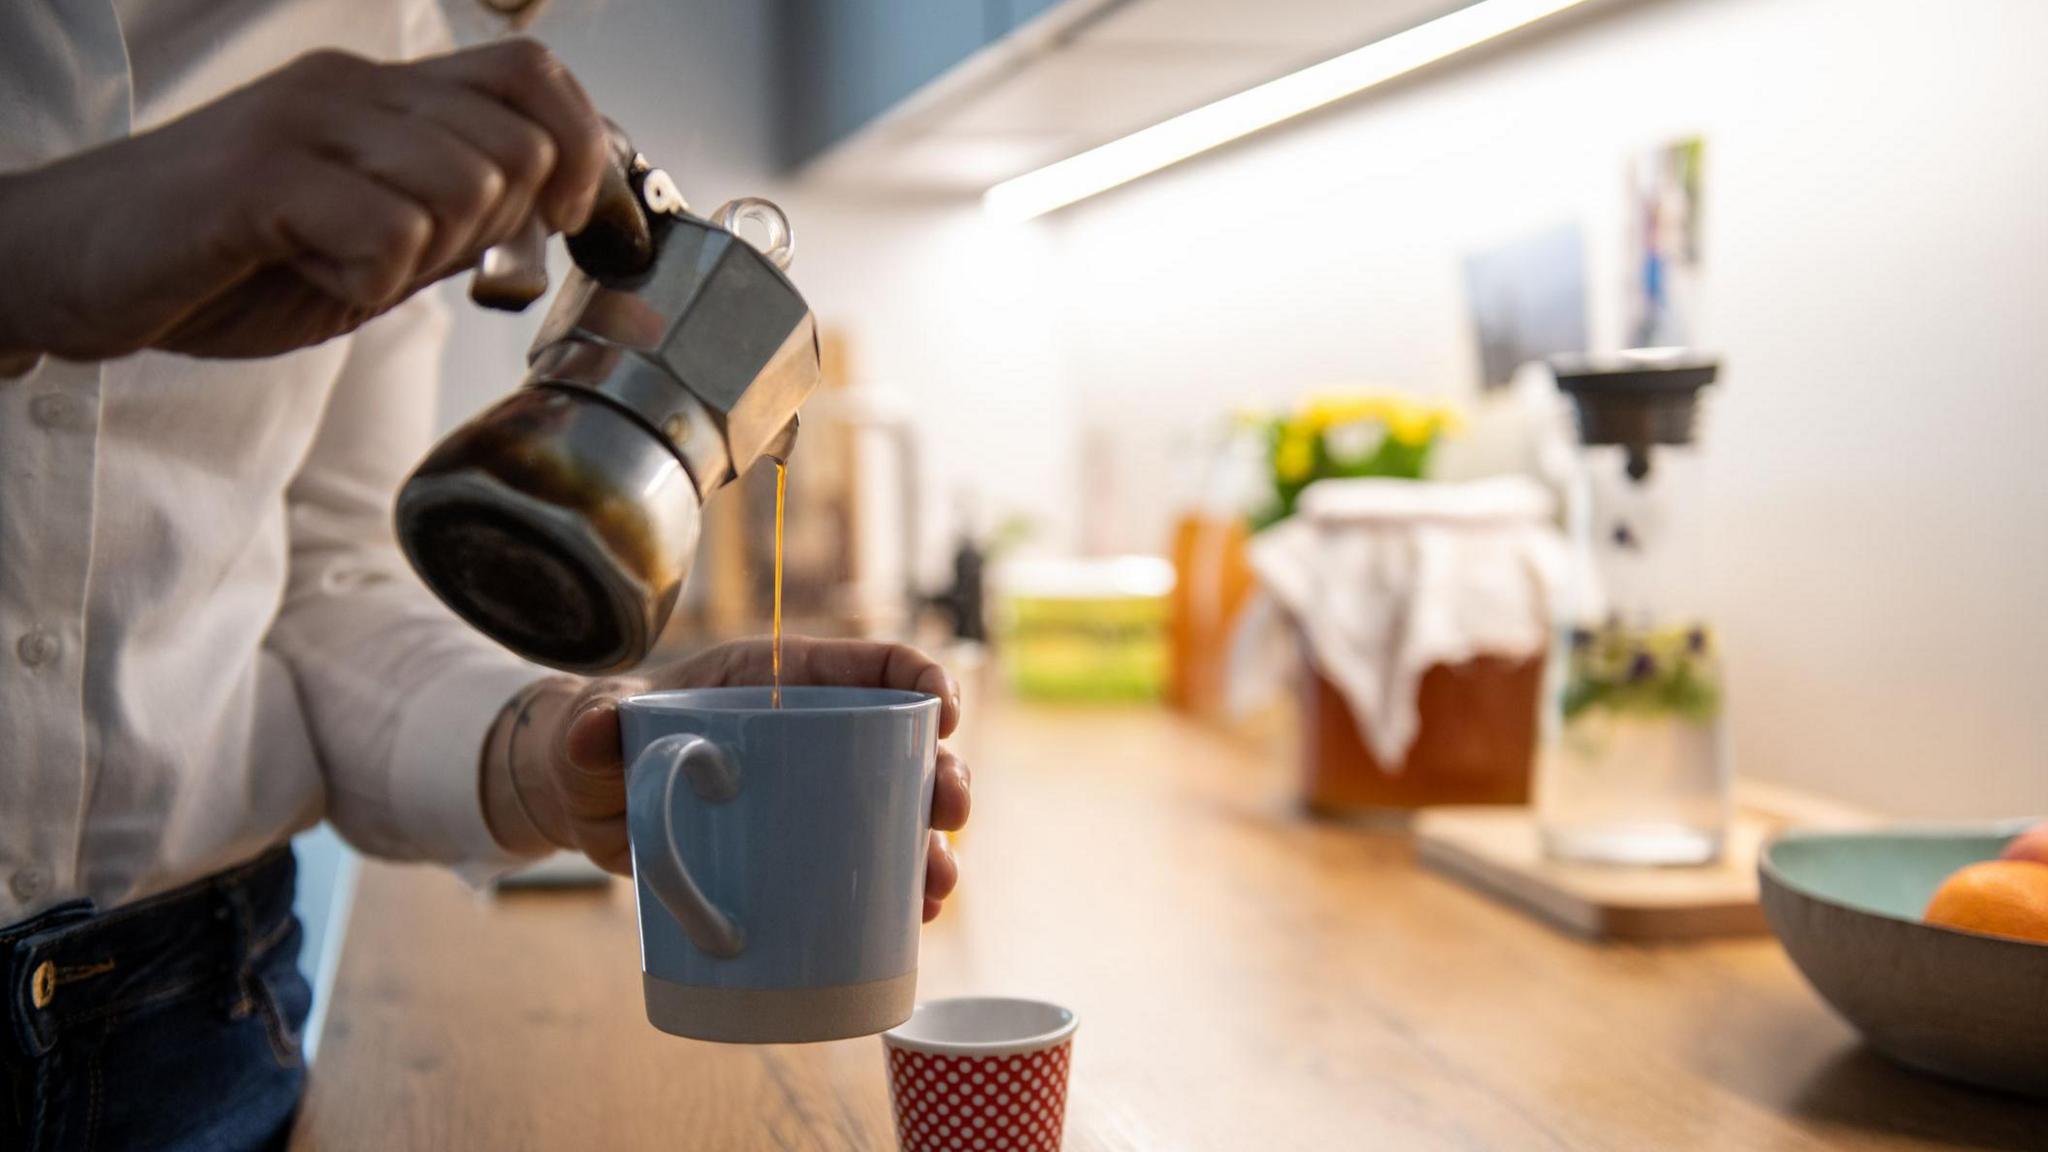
(1385,579)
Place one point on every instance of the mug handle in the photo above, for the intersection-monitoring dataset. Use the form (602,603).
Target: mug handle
(650,819)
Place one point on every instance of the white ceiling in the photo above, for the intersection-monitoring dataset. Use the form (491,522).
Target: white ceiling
(1093,70)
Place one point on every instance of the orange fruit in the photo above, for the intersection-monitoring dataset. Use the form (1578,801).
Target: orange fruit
(1996,897)
(2029,845)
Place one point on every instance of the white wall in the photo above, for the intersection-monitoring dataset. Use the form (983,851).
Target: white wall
(1876,266)
(956,315)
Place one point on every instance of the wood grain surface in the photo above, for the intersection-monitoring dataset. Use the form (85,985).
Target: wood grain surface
(1246,980)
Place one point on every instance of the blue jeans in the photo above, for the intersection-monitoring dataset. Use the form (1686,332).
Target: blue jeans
(172,1023)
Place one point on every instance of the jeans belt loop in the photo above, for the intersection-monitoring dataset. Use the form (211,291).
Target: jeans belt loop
(21,1009)
(241,915)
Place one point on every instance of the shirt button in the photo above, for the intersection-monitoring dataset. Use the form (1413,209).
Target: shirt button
(27,884)
(54,410)
(38,648)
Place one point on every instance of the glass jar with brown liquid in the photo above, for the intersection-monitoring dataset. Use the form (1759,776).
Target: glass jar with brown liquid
(1424,615)
(1476,744)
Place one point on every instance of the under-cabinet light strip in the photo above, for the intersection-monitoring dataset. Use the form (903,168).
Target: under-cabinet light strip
(1191,133)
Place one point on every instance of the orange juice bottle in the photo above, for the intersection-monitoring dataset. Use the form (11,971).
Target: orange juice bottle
(1213,576)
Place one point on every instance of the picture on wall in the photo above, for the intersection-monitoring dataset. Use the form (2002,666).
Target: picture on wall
(1663,245)
(1528,300)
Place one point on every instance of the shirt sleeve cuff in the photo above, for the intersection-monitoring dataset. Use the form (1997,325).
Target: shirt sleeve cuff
(436,761)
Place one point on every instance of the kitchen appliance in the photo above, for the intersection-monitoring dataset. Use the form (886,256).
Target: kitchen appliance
(562,521)
(1636,772)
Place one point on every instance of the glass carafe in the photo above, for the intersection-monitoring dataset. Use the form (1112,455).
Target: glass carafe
(1635,771)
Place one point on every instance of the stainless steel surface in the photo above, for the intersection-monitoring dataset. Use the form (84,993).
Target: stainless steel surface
(563,520)
(549,524)
(781,246)
(631,381)
(513,274)
(715,316)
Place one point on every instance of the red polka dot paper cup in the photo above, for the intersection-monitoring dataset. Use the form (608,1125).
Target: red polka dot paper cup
(981,1074)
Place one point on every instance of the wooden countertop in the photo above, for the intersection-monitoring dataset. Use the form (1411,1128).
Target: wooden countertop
(1246,980)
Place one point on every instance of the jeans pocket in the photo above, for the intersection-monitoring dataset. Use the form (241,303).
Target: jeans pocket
(284,998)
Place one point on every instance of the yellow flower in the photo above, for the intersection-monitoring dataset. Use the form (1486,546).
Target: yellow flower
(1412,425)
(1415,425)
(1293,457)
(1408,422)
(1331,411)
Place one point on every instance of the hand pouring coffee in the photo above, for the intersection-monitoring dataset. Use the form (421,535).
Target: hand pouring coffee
(562,520)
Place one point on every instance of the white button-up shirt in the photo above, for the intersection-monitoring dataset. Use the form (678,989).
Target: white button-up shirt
(208,638)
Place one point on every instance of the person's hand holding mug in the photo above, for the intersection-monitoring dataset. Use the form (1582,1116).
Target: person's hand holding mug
(555,777)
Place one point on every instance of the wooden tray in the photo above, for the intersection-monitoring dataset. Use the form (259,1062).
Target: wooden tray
(1496,851)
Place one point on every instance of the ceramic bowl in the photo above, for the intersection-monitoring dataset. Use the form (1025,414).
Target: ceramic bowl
(1846,906)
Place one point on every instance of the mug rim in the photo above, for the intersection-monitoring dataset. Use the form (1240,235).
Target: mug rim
(900,1037)
(725,700)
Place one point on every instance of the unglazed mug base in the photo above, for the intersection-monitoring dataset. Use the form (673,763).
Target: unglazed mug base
(779,1015)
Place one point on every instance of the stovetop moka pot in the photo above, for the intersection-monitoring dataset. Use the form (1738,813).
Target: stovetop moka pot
(562,521)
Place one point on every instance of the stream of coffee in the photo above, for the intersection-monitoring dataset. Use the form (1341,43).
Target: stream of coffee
(775,641)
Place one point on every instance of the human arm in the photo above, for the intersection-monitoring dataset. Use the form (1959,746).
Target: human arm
(295,208)
(398,693)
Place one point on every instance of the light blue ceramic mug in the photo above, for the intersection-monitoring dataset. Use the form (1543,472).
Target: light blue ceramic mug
(778,858)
